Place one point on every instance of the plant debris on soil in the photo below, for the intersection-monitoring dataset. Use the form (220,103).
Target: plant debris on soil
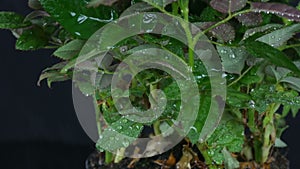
(180,157)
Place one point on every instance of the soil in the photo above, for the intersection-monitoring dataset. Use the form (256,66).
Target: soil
(96,161)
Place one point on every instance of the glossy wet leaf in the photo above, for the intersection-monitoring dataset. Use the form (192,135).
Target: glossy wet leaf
(119,134)
(224,32)
(226,6)
(77,18)
(96,3)
(279,9)
(279,37)
(136,8)
(233,59)
(70,50)
(267,94)
(195,131)
(159,3)
(229,161)
(230,135)
(250,19)
(11,20)
(32,39)
(293,82)
(265,28)
(34,4)
(209,15)
(275,56)
(237,99)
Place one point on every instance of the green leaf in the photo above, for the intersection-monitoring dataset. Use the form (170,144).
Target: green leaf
(262,50)
(230,162)
(11,20)
(69,50)
(53,77)
(233,59)
(230,135)
(295,110)
(195,131)
(159,3)
(279,37)
(135,8)
(34,4)
(32,39)
(293,82)
(208,14)
(279,143)
(237,99)
(253,31)
(77,18)
(86,88)
(119,134)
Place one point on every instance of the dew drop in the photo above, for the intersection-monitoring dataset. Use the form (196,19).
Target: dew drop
(148,18)
(232,56)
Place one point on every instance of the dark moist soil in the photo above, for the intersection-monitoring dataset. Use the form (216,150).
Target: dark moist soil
(96,161)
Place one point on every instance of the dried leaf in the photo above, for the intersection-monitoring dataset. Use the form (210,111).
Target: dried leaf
(171,160)
(184,162)
(282,10)
(226,6)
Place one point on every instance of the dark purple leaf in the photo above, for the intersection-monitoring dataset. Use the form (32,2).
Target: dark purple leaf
(282,10)
(223,32)
(96,3)
(250,19)
(225,6)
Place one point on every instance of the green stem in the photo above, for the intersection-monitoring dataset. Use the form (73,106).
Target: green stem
(197,37)
(156,128)
(108,157)
(203,149)
(175,8)
(269,133)
(240,77)
(289,46)
(156,124)
(97,113)
(184,5)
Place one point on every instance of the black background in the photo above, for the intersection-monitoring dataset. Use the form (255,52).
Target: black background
(38,126)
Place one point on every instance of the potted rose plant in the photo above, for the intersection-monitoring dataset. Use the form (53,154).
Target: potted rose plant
(225,72)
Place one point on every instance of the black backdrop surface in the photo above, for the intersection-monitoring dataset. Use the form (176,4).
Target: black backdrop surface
(38,125)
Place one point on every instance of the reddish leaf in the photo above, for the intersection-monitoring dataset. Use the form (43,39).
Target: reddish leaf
(250,19)
(282,10)
(223,5)
(223,32)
